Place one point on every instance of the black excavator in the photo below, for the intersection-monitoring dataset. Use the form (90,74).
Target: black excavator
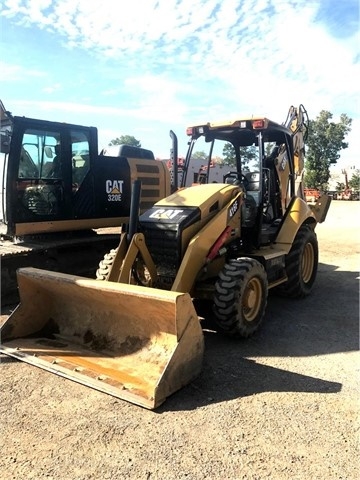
(63,202)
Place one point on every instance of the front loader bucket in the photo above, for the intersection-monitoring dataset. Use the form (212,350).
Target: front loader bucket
(135,343)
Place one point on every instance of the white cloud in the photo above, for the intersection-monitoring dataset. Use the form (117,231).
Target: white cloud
(47,106)
(52,88)
(177,62)
(11,72)
(146,111)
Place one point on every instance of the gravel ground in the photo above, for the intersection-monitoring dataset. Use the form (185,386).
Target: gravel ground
(281,405)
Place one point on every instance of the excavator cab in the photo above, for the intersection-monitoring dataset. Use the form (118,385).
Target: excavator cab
(54,179)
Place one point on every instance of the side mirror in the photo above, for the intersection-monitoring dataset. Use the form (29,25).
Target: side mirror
(48,152)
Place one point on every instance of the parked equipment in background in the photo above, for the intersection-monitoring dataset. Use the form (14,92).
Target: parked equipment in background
(347,193)
(312,194)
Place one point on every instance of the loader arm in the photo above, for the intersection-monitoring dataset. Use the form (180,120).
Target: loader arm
(207,236)
(126,255)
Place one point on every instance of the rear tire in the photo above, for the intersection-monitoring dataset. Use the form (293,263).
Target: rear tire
(240,297)
(301,265)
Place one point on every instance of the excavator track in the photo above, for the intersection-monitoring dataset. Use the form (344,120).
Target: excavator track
(79,254)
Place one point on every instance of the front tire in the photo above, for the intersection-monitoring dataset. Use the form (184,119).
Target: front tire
(240,297)
(301,264)
(103,271)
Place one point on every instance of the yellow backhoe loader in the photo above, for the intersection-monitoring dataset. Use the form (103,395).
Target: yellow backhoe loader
(134,332)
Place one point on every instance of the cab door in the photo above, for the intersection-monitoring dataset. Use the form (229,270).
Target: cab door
(47,166)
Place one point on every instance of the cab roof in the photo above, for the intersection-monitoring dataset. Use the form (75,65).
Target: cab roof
(243,131)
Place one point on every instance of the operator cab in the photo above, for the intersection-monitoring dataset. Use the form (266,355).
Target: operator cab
(251,153)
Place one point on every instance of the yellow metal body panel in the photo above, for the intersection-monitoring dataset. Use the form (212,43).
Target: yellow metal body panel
(321,207)
(194,260)
(299,213)
(210,199)
(33,228)
(232,123)
(159,185)
(202,196)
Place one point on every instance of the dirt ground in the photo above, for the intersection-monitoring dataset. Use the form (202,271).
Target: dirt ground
(281,405)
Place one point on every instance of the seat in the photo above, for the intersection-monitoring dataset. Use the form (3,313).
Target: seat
(253,181)
(252,186)
(251,199)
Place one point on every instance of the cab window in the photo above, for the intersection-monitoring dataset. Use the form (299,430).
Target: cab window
(40,156)
(80,157)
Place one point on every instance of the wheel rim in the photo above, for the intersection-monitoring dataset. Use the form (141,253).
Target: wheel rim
(141,273)
(252,299)
(307,263)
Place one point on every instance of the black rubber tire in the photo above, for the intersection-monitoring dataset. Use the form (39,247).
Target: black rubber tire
(102,273)
(240,297)
(301,265)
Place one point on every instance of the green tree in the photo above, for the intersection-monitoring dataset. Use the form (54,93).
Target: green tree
(200,155)
(340,186)
(247,155)
(229,154)
(269,146)
(354,181)
(324,142)
(126,140)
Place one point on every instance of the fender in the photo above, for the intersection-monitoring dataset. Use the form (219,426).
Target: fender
(297,214)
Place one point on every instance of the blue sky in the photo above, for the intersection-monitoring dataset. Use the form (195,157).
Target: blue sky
(144,67)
